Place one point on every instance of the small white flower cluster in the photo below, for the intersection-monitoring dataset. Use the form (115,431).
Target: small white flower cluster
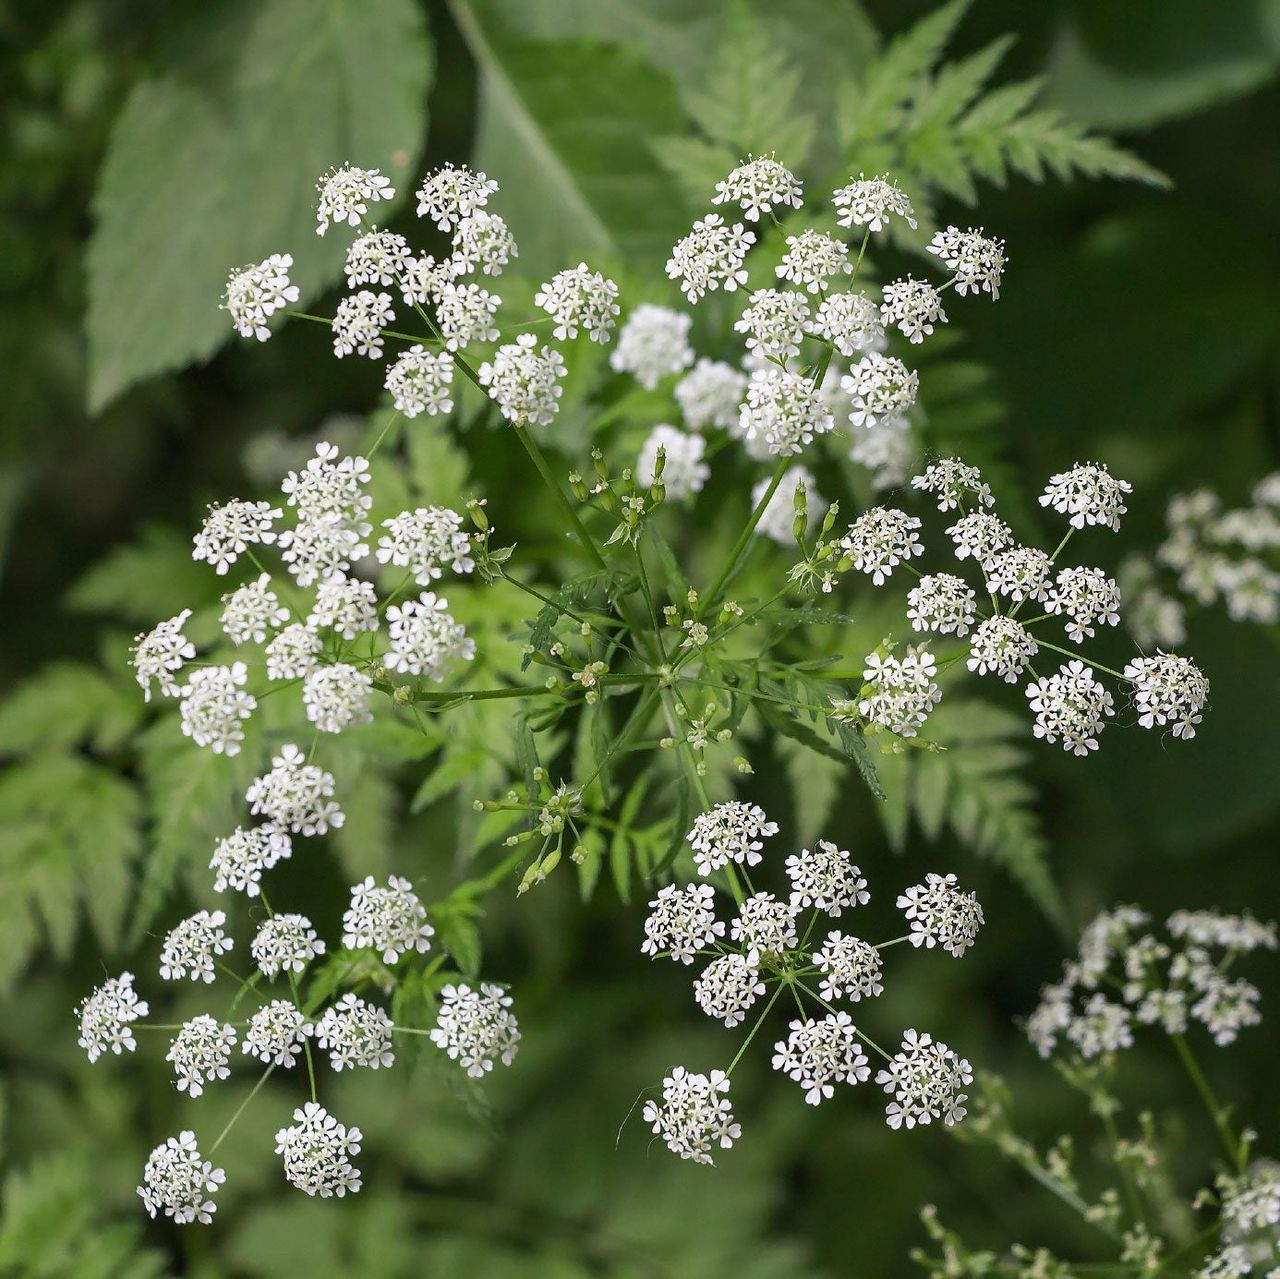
(179,1183)
(767,950)
(475,1028)
(1165,983)
(255,293)
(899,693)
(391,920)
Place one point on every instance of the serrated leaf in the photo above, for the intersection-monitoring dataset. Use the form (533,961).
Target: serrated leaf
(66,703)
(215,164)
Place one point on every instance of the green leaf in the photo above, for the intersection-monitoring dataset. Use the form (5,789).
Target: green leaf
(67,703)
(214,165)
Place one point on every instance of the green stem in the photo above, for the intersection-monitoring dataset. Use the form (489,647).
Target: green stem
(266,1074)
(744,538)
(746,1043)
(540,462)
(328,323)
(1066,652)
(1215,1108)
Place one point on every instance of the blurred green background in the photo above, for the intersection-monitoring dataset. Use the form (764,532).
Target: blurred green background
(146,148)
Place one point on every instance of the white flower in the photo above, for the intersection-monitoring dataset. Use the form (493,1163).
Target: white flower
(730,832)
(710,257)
(476,1027)
(425,640)
(1227,1007)
(774,322)
(758,186)
(1232,1262)
(356,1033)
(377,257)
(337,696)
(942,603)
(421,382)
(295,795)
(900,692)
(1086,596)
(390,920)
(941,914)
(1252,1201)
(813,259)
(200,1052)
(465,314)
(871,202)
(423,279)
(880,387)
(482,241)
(1070,704)
(358,323)
(1089,494)
(580,298)
(251,611)
(1051,1017)
(778,519)
(105,1017)
(1103,1027)
(228,530)
(953,483)
(784,410)
(1001,646)
(316,1150)
(1168,690)
(850,322)
(1020,573)
(239,860)
(426,541)
(709,395)
(346,193)
(255,293)
(277,1033)
(348,604)
(695,1115)
(913,306)
(924,1079)
(453,192)
(158,654)
(681,922)
(330,485)
(819,1054)
(765,924)
(887,450)
(523,382)
(977,262)
(285,943)
(852,966)
(292,654)
(192,947)
(1233,932)
(880,539)
(179,1183)
(980,534)
(683,472)
(823,877)
(320,546)
(1251,591)
(728,987)
(653,343)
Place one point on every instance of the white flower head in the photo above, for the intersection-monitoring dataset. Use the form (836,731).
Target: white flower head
(1086,596)
(900,692)
(1020,573)
(377,257)
(778,519)
(390,919)
(774,322)
(784,410)
(1232,932)
(820,1054)
(728,987)
(453,192)
(683,471)
(251,611)
(824,878)
(1102,1027)
(880,539)
(759,186)
(765,924)
(871,202)
(200,1053)
(1168,690)
(913,307)
(356,1033)
(255,293)
(524,382)
(482,241)
(347,604)
(277,1033)
(285,943)
(192,947)
(942,603)
(293,653)
(358,322)
(317,1151)
(924,1079)
(426,541)
(425,639)
(976,261)
(330,486)
(424,279)
(887,450)
(980,534)
(295,795)
(215,705)
(465,314)
(1070,705)
(476,1027)
(681,922)
(337,697)
(580,299)
(710,257)
(709,395)
(1001,646)
(852,968)
(239,860)
(179,1183)
(347,193)
(421,381)
(953,483)
(734,831)
(653,343)
(160,653)
(1088,494)
(1225,1008)
(850,322)
(941,914)
(106,1015)
(695,1115)
(813,259)
(879,387)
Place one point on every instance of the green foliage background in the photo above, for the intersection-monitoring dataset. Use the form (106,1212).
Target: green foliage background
(144,149)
